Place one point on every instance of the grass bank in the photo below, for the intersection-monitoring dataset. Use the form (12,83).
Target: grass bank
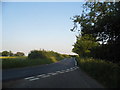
(17,62)
(107,73)
(23,62)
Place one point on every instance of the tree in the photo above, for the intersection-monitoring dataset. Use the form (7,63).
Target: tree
(102,21)
(10,53)
(84,44)
(19,54)
(5,53)
(36,54)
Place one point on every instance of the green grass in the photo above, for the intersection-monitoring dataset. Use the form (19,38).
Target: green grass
(23,62)
(107,73)
(18,62)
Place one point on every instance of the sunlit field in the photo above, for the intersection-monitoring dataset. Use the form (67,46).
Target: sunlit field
(106,73)
(9,63)
(24,61)
(3,57)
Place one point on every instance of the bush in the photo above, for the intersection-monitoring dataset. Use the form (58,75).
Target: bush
(35,54)
(19,54)
(106,73)
(5,53)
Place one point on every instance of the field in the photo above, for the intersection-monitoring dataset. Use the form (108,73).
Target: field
(106,73)
(7,57)
(18,62)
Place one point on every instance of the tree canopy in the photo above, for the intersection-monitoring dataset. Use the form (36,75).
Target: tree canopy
(102,21)
(19,54)
(10,53)
(84,45)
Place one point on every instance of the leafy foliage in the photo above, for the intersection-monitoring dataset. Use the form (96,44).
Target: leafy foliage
(5,53)
(35,57)
(36,54)
(106,73)
(102,21)
(10,53)
(84,45)
(19,54)
(45,54)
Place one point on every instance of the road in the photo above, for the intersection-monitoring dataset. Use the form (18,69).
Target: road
(63,74)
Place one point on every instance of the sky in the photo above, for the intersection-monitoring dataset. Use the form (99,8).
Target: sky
(30,26)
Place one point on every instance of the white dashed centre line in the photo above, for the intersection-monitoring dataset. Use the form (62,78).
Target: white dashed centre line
(33,79)
(41,75)
(29,77)
(45,76)
(49,74)
(61,72)
(67,69)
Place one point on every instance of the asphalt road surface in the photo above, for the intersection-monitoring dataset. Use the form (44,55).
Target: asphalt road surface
(63,74)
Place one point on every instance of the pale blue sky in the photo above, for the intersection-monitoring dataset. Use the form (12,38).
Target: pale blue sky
(34,25)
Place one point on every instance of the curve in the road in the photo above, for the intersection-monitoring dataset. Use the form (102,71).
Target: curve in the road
(32,78)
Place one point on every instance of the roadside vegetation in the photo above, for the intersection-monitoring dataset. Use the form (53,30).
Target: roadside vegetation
(106,73)
(35,57)
(11,54)
(98,41)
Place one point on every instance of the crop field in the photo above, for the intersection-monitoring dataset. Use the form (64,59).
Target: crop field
(24,61)
(8,57)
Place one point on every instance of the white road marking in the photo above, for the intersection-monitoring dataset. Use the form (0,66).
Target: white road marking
(41,75)
(45,76)
(58,71)
(29,77)
(53,73)
(72,70)
(49,74)
(73,67)
(67,69)
(62,72)
(33,79)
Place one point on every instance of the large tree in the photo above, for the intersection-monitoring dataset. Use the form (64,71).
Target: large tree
(84,45)
(19,54)
(5,53)
(102,21)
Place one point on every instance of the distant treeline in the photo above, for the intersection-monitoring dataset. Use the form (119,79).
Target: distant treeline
(34,58)
(10,53)
(99,36)
(35,54)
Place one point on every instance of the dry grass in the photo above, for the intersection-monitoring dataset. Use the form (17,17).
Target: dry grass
(6,57)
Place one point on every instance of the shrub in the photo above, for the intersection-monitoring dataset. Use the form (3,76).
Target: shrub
(19,54)
(5,53)
(35,54)
(106,73)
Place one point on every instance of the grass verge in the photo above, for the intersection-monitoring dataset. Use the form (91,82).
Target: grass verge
(18,62)
(107,73)
(23,62)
